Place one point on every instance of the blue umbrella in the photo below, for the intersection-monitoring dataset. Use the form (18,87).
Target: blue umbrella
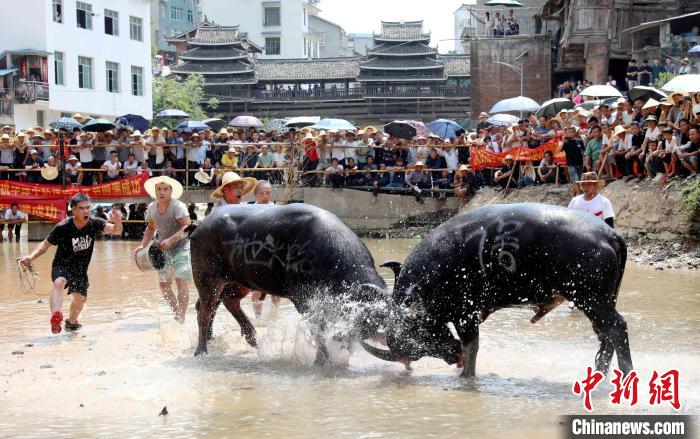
(172,113)
(192,125)
(65,123)
(134,121)
(333,124)
(695,50)
(445,128)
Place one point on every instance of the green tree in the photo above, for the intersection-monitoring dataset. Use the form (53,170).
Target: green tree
(187,95)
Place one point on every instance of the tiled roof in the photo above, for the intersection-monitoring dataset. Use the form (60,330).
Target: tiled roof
(402,31)
(401,49)
(456,65)
(401,63)
(318,68)
(212,67)
(207,53)
(220,35)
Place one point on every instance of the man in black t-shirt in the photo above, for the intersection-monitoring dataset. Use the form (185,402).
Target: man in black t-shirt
(74,238)
(573,147)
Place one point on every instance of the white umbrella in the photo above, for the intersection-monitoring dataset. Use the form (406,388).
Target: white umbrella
(601,91)
(684,84)
(303,121)
(502,119)
(553,106)
(520,103)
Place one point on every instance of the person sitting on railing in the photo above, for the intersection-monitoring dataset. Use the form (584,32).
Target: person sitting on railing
(210,170)
(334,174)
(249,161)
(418,179)
(380,179)
(398,173)
(130,166)
(33,164)
(112,167)
(354,178)
(444,180)
(74,173)
(230,159)
(434,161)
(21,152)
(547,169)
(144,169)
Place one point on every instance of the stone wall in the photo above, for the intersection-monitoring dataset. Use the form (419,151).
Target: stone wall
(642,209)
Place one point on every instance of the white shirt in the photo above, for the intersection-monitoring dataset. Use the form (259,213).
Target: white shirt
(10,216)
(451,158)
(338,153)
(159,149)
(130,166)
(598,206)
(138,150)
(7,154)
(73,169)
(112,168)
(278,159)
(653,134)
(85,152)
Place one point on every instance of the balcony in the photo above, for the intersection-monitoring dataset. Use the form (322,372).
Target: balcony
(357,93)
(28,92)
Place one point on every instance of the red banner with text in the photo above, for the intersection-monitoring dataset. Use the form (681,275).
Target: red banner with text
(52,210)
(483,158)
(125,187)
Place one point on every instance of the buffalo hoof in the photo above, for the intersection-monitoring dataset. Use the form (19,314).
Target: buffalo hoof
(200,350)
(250,338)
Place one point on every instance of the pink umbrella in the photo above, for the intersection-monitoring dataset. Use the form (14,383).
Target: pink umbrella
(245,121)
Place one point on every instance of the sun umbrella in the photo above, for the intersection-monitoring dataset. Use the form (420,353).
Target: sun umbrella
(65,123)
(503,119)
(300,122)
(445,128)
(507,3)
(695,50)
(684,84)
(98,125)
(245,121)
(333,124)
(133,121)
(406,129)
(553,106)
(192,125)
(172,113)
(520,103)
(601,91)
(275,124)
(643,92)
(214,123)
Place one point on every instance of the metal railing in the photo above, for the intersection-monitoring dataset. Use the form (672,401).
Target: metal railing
(31,91)
(343,93)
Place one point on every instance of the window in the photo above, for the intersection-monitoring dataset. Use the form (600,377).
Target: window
(111,22)
(137,81)
(163,10)
(84,15)
(272,46)
(58,68)
(271,16)
(84,72)
(112,77)
(305,14)
(190,17)
(58,11)
(136,28)
(177,13)
(40,117)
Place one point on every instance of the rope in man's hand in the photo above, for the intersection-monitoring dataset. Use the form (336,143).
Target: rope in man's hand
(27,277)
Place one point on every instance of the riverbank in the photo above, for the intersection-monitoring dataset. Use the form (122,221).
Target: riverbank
(661,224)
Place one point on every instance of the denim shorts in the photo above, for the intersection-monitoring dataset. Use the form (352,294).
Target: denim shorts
(575,173)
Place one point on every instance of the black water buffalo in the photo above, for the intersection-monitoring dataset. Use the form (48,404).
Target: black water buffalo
(297,251)
(502,256)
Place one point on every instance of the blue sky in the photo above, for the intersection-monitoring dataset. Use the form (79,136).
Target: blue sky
(364,16)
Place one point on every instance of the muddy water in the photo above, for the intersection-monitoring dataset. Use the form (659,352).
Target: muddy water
(131,359)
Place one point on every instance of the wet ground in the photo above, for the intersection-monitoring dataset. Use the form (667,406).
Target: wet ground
(131,359)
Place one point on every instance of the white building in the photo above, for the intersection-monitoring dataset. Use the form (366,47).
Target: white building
(280,27)
(64,56)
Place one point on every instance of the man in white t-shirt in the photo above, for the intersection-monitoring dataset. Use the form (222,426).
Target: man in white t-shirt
(130,166)
(591,201)
(112,167)
(13,218)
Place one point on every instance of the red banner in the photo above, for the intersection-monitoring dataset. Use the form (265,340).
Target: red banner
(483,158)
(52,210)
(125,187)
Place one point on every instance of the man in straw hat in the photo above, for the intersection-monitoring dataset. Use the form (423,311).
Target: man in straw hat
(233,188)
(591,201)
(167,217)
(509,174)
(74,238)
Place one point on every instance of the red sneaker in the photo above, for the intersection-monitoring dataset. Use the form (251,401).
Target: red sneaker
(56,320)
